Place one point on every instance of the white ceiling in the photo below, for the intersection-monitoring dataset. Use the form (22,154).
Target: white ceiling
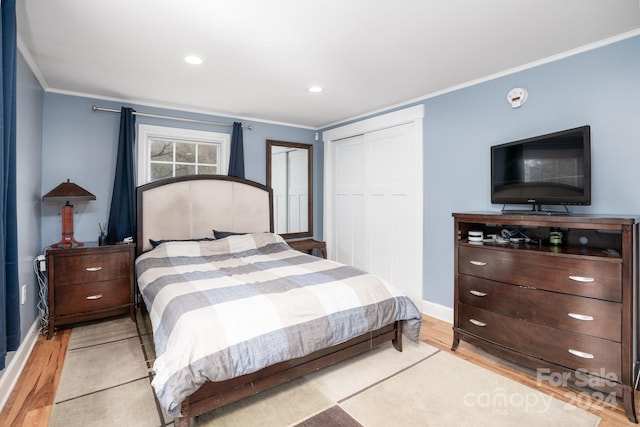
(260,56)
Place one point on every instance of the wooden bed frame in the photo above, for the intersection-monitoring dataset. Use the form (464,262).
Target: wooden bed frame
(191,207)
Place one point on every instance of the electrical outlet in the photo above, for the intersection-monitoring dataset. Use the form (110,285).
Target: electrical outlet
(23,296)
(42,262)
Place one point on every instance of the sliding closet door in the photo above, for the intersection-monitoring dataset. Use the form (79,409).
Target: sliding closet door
(375,203)
(349,234)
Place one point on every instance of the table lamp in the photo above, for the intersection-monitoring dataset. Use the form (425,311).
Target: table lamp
(66,192)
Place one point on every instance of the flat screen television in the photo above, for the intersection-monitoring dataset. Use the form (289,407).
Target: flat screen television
(551,169)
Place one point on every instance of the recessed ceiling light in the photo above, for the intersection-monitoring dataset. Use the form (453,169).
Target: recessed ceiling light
(315,89)
(192,59)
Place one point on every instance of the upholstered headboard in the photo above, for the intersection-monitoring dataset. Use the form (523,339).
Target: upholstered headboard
(192,207)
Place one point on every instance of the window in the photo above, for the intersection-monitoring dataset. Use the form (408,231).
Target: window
(165,152)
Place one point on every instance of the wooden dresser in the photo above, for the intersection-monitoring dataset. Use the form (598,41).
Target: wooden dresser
(566,311)
(89,282)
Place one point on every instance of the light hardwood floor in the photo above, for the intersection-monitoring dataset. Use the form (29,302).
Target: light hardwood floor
(31,401)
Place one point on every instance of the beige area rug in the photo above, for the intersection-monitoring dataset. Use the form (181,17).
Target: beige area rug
(106,382)
(448,391)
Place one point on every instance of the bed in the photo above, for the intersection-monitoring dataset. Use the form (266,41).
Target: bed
(237,311)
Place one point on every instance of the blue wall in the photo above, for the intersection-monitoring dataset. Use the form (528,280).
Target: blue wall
(29,172)
(600,88)
(81,145)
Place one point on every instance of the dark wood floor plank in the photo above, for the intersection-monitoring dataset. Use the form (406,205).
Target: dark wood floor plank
(334,416)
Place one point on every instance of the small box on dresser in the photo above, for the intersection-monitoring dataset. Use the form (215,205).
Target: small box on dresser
(567,311)
(89,282)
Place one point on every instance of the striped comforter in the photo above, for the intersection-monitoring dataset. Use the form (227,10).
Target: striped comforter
(225,308)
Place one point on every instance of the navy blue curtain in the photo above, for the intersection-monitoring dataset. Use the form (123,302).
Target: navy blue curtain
(236,160)
(122,217)
(9,288)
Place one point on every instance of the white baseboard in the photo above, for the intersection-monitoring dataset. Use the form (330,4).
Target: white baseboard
(438,311)
(12,371)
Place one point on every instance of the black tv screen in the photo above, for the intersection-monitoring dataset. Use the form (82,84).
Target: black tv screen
(552,169)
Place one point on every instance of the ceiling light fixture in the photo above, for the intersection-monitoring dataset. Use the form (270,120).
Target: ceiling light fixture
(315,89)
(192,59)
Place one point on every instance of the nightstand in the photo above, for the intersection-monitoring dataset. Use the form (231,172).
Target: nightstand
(308,245)
(89,282)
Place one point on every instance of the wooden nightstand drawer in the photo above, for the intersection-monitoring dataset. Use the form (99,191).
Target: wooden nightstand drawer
(309,245)
(92,267)
(595,277)
(89,282)
(91,296)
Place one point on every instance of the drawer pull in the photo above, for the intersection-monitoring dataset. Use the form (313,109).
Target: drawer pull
(93,268)
(478,293)
(96,296)
(582,279)
(478,262)
(478,323)
(580,316)
(581,354)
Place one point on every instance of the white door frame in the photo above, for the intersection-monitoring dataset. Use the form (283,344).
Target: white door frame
(413,114)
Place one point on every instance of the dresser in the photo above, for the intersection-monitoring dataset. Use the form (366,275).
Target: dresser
(567,311)
(89,282)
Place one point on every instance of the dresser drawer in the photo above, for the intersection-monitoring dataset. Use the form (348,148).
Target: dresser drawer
(594,277)
(572,350)
(598,318)
(92,296)
(91,267)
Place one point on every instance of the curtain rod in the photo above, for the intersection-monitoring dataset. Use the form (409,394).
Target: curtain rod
(158,116)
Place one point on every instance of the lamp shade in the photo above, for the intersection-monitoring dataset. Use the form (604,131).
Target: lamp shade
(67,191)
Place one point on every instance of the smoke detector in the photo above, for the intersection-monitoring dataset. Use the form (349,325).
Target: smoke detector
(516,97)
